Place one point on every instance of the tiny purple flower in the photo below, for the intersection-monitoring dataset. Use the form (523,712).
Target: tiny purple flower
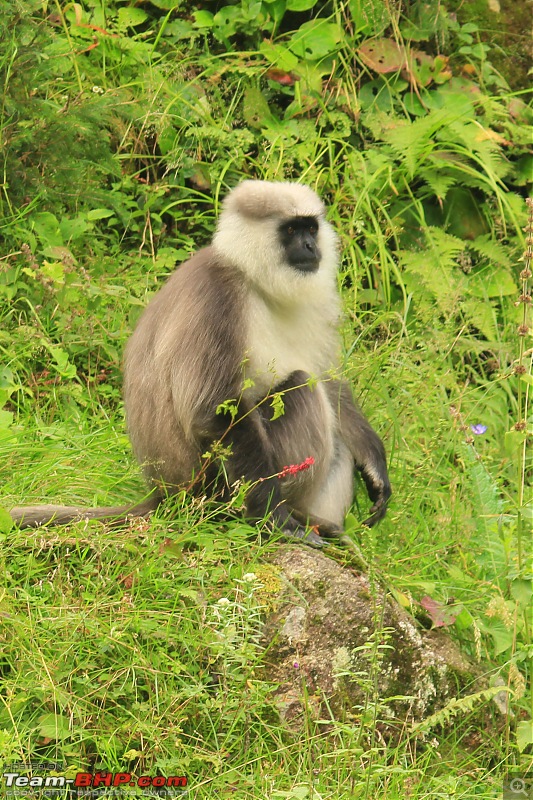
(478,429)
(296,665)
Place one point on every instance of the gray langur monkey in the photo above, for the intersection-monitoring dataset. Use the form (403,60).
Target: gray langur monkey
(253,314)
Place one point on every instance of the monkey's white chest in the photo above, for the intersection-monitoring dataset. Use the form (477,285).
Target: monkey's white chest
(281,342)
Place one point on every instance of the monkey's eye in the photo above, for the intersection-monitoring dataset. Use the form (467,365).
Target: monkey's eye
(313,230)
(291,231)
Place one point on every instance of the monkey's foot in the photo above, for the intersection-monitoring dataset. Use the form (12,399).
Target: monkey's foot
(309,538)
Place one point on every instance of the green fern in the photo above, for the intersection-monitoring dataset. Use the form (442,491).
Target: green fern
(414,141)
(435,268)
(492,250)
(487,501)
(461,705)
(480,147)
(482,315)
(438,179)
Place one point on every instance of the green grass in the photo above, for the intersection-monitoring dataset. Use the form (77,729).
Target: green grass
(112,637)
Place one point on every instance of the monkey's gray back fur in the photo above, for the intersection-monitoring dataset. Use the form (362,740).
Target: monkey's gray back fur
(167,398)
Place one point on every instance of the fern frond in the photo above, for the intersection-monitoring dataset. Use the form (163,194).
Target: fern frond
(414,141)
(492,250)
(481,315)
(459,705)
(487,501)
(438,180)
(435,267)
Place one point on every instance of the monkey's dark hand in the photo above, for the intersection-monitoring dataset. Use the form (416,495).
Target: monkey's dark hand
(379,490)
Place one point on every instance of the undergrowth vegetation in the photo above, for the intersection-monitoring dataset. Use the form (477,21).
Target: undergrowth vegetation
(123,125)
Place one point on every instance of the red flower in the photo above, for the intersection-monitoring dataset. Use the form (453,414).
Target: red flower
(293,469)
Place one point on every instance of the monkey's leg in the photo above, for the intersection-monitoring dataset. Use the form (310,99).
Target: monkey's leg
(325,527)
(252,459)
(307,428)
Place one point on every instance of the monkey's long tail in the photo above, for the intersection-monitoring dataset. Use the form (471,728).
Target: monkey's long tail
(35,516)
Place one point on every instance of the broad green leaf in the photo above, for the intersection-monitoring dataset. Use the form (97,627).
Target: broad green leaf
(279,56)
(524,734)
(60,356)
(414,105)
(99,213)
(401,598)
(315,39)
(226,21)
(513,440)
(371,17)
(167,5)
(275,10)
(6,418)
(492,283)
(464,620)
(6,523)
(53,726)
(203,19)
(522,591)
(55,271)
(250,9)
(503,637)
(47,228)
(256,111)
(130,17)
(456,98)
(300,5)
(72,229)
(6,379)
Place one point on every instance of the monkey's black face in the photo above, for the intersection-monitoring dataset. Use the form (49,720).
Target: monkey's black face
(298,238)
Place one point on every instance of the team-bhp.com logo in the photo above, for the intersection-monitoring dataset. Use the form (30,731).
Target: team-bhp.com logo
(92,780)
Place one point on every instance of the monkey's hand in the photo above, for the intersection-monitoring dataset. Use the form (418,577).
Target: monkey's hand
(379,489)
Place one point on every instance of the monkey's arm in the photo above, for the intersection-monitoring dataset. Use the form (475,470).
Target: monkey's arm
(366,448)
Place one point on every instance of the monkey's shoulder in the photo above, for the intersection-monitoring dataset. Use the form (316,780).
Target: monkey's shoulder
(194,322)
(205,279)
